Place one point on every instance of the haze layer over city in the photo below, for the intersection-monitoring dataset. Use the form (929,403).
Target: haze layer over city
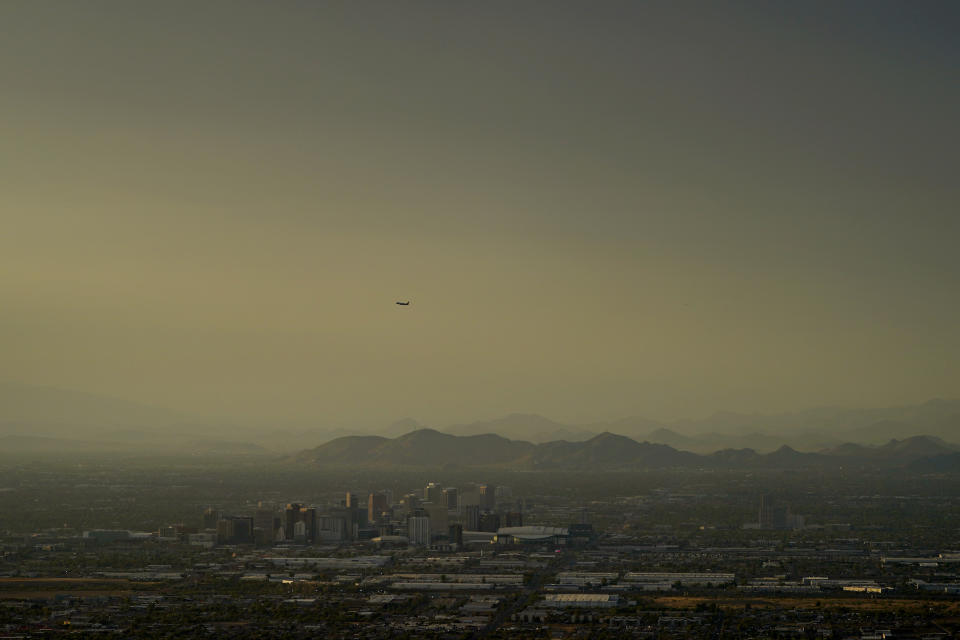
(479,319)
(597,212)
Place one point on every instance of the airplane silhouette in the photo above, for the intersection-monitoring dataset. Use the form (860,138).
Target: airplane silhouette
(403,304)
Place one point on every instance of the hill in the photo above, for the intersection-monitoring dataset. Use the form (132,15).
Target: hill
(523,426)
(946,463)
(609,450)
(420,448)
(895,452)
(428,448)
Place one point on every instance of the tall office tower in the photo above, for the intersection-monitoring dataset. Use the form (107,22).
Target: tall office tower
(210,518)
(360,513)
(418,530)
(309,517)
(376,504)
(468,495)
(514,519)
(503,492)
(470,516)
(489,522)
(350,521)
(263,523)
(235,530)
(410,501)
(438,517)
(224,531)
(331,527)
(298,513)
(291,515)
(488,496)
(433,492)
(243,529)
(450,498)
(764,515)
(455,533)
(774,515)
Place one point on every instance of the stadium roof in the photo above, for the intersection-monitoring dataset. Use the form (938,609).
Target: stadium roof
(533,532)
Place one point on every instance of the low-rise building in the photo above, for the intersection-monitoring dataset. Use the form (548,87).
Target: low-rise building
(582,600)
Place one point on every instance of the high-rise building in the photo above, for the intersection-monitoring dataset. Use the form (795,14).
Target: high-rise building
(455,533)
(210,518)
(409,502)
(264,523)
(438,517)
(263,517)
(418,530)
(489,522)
(469,494)
(294,513)
(360,513)
(450,498)
(433,492)
(310,521)
(290,517)
(488,496)
(772,515)
(224,531)
(338,525)
(776,515)
(235,530)
(470,517)
(376,505)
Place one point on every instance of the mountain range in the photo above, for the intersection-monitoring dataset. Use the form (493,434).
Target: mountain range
(808,430)
(428,448)
(45,419)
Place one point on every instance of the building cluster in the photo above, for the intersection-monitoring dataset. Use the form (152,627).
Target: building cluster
(478,561)
(437,516)
(776,514)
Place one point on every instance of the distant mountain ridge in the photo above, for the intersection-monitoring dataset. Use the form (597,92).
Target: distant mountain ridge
(420,448)
(525,426)
(66,419)
(808,430)
(428,448)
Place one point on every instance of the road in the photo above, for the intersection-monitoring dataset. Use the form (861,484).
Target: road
(504,613)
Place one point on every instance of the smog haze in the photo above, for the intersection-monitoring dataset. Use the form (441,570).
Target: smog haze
(595,211)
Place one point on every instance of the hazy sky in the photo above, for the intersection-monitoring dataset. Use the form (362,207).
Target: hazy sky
(596,209)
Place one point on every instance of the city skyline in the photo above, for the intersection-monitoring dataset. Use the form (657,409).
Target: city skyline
(463,320)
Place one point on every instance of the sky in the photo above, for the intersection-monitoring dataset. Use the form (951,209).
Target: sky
(596,209)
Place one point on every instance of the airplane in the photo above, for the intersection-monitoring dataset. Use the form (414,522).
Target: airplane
(403,304)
